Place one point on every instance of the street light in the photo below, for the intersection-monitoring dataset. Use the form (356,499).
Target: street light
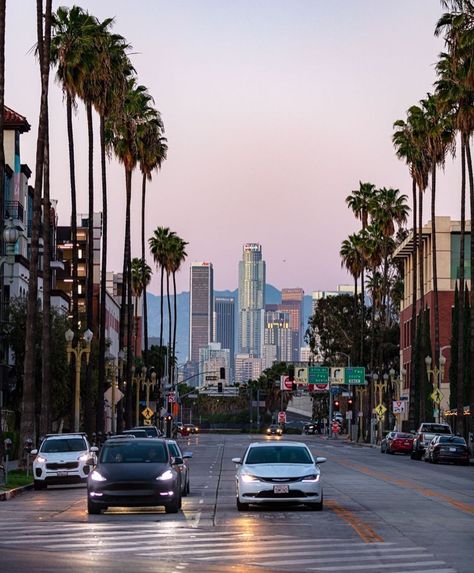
(438,374)
(397,384)
(83,348)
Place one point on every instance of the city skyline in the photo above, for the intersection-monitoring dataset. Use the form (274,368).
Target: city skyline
(276,92)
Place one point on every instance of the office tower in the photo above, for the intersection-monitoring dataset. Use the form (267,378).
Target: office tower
(224,326)
(247,368)
(211,359)
(278,333)
(251,300)
(200,308)
(292,303)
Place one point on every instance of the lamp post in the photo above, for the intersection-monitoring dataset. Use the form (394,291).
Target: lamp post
(112,372)
(149,383)
(139,381)
(397,385)
(437,374)
(83,348)
(380,409)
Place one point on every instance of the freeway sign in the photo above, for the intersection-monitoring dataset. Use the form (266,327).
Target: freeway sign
(318,375)
(354,375)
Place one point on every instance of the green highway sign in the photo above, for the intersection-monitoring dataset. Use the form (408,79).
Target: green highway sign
(354,375)
(318,375)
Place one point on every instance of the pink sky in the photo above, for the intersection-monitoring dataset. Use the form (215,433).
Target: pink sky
(273,109)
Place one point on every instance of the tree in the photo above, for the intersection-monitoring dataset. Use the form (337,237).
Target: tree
(141,277)
(351,259)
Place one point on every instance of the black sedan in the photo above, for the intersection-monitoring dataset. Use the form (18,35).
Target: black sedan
(447,449)
(134,472)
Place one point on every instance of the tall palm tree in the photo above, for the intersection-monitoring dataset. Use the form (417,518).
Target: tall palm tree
(73,35)
(141,276)
(360,202)
(177,255)
(153,150)
(28,426)
(351,259)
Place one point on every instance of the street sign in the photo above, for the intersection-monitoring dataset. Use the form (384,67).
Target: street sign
(337,375)
(321,387)
(354,375)
(349,415)
(211,377)
(281,417)
(285,382)
(301,375)
(318,375)
(437,396)
(147,413)
(399,406)
(335,390)
(118,395)
(171,397)
(380,410)
(147,422)
(192,396)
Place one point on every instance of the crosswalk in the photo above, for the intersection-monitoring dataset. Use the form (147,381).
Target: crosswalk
(215,545)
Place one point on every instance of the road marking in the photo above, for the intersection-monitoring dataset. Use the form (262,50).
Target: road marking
(363,530)
(380,566)
(352,567)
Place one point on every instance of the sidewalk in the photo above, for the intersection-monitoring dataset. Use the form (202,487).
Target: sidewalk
(10,493)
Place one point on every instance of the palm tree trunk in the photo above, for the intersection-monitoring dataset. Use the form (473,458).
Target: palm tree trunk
(413,381)
(129,309)
(2,156)
(145,305)
(471,323)
(422,393)
(362,311)
(89,414)
(45,416)
(170,364)
(103,283)
(435,266)
(461,318)
(161,309)
(72,178)
(175,323)
(28,422)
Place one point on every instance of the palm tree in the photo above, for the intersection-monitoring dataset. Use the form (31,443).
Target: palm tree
(28,429)
(141,276)
(360,202)
(153,151)
(351,259)
(177,255)
(73,35)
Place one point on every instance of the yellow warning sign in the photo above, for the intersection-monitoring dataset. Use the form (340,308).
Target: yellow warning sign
(380,410)
(147,413)
(437,396)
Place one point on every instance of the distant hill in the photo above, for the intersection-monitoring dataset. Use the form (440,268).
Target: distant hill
(272,296)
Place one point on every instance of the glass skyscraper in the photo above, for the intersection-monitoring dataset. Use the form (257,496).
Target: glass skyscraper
(251,300)
(200,308)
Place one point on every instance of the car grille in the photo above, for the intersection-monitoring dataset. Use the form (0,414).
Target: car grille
(62,466)
(280,480)
(130,486)
(271,495)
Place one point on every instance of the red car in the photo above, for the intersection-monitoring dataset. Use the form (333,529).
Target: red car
(399,442)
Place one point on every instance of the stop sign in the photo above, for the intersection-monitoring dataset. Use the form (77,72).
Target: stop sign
(281,417)
(287,384)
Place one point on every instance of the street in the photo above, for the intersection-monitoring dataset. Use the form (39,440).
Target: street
(383,513)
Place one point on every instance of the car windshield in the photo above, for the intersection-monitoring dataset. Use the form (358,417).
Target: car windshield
(452,440)
(278,455)
(403,436)
(133,453)
(436,429)
(136,433)
(174,451)
(64,445)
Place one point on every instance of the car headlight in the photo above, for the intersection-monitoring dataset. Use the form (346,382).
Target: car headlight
(84,457)
(96,476)
(41,459)
(311,478)
(247,478)
(165,476)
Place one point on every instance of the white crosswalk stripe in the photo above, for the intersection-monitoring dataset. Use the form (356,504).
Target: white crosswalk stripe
(284,552)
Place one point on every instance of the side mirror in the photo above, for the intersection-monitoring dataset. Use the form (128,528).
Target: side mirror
(178,461)
(237,460)
(187,455)
(321,460)
(34,452)
(90,462)
(94,449)
(173,461)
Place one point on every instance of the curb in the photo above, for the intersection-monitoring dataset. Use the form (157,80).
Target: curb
(6,495)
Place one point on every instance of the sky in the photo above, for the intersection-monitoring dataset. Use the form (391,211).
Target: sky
(274,110)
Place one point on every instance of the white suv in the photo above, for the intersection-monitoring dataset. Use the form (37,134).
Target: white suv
(63,458)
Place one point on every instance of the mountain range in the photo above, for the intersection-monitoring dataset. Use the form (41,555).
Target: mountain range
(272,296)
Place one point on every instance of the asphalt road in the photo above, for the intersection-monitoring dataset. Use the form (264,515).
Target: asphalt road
(383,513)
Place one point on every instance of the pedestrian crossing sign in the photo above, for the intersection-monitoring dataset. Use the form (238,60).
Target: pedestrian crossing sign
(380,410)
(437,396)
(147,413)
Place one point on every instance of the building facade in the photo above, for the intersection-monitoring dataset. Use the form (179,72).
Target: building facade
(247,368)
(201,292)
(251,300)
(224,326)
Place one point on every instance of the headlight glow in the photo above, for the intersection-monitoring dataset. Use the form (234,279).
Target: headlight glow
(96,476)
(311,478)
(84,457)
(41,459)
(247,478)
(165,476)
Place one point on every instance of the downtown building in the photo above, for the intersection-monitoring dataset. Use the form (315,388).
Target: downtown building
(201,308)
(251,301)
(224,328)
(279,338)
(292,301)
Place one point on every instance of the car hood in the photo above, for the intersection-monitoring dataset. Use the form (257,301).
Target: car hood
(62,456)
(132,472)
(280,470)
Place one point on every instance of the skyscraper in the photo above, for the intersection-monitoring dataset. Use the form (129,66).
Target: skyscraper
(224,326)
(251,300)
(292,303)
(200,308)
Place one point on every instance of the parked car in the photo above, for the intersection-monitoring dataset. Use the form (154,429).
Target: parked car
(384,441)
(181,465)
(423,436)
(191,428)
(276,472)
(63,459)
(136,432)
(312,427)
(397,442)
(152,431)
(137,472)
(274,430)
(447,449)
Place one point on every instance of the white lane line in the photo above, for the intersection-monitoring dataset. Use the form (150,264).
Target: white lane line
(427,571)
(379,566)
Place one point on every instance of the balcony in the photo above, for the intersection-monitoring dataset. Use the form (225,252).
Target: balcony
(15,210)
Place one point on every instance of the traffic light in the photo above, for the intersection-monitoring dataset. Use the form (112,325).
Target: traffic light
(336,405)
(349,404)
(219,387)
(222,373)
(291,373)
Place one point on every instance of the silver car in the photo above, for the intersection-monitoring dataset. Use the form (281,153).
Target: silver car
(278,472)
(180,465)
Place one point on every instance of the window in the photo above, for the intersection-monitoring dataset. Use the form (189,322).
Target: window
(278,455)
(64,445)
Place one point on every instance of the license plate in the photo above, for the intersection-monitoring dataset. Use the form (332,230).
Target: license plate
(62,474)
(452,449)
(281,489)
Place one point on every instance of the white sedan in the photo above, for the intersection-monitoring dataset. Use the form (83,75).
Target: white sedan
(278,472)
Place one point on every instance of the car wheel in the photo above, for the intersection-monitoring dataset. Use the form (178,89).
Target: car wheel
(173,506)
(317,506)
(382,450)
(92,508)
(242,506)
(38,484)
(434,460)
(187,488)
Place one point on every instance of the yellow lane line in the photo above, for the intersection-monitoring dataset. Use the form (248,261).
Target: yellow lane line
(363,530)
